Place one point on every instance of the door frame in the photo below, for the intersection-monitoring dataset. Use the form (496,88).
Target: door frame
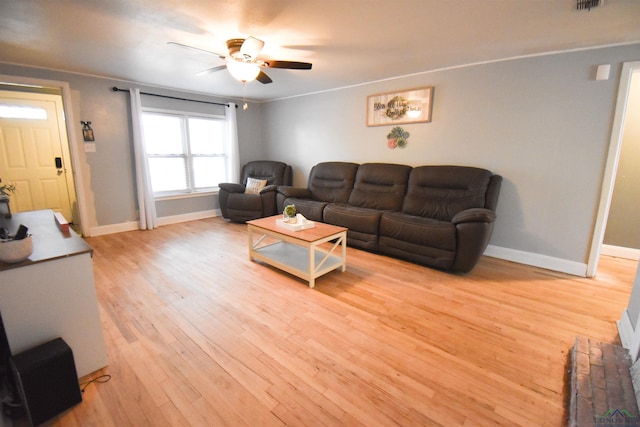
(33,98)
(72,140)
(611,167)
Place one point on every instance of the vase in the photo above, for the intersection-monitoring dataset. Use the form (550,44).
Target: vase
(13,251)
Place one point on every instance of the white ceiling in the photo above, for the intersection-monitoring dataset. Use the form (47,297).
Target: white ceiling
(349,42)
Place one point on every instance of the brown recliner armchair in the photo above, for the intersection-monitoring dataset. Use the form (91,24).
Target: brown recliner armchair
(256,196)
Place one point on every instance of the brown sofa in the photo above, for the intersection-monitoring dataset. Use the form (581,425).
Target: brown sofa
(438,216)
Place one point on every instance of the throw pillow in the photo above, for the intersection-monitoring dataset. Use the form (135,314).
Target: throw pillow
(255,185)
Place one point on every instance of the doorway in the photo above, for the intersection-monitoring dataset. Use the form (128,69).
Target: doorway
(30,84)
(35,152)
(630,71)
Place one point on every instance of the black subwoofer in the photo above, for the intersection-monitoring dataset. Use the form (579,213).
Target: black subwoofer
(46,380)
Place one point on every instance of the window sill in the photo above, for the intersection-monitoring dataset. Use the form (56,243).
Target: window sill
(177,196)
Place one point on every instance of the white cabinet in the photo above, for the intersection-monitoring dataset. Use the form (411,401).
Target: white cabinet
(52,294)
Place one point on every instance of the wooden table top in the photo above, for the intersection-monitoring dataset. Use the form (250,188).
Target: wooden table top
(320,231)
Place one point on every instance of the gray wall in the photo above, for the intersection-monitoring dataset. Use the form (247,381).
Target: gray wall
(543,123)
(623,225)
(109,172)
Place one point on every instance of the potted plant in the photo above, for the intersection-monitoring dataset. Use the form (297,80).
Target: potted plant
(5,189)
(290,213)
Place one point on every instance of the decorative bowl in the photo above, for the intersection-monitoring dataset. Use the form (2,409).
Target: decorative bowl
(13,251)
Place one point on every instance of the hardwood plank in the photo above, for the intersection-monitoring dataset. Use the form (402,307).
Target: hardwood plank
(198,334)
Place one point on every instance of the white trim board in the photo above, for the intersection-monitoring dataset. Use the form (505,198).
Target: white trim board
(611,166)
(165,220)
(113,228)
(537,260)
(193,216)
(620,252)
(625,331)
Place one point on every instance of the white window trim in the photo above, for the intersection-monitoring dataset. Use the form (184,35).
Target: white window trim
(183,195)
(176,195)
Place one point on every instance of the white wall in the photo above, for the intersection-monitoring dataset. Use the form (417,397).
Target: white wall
(543,123)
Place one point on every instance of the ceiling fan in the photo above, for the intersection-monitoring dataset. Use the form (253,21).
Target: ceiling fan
(243,62)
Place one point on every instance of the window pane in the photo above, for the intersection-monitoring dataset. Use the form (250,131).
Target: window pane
(22,112)
(162,133)
(206,136)
(168,174)
(208,171)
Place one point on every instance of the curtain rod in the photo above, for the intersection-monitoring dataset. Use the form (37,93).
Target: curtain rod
(116,89)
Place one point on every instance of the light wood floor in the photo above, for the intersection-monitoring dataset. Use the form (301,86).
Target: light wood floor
(198,335)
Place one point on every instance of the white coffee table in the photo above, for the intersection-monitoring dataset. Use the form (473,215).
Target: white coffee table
(307,254)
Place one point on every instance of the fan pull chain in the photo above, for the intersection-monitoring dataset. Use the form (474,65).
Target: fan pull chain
(245,106)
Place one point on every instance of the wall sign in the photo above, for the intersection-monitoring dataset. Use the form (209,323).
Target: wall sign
(411,106)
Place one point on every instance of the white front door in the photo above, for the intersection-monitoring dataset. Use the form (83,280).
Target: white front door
(34,153)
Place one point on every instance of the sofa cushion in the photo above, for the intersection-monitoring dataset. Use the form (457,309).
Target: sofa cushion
(418,230)
(244,207)
(363,224)
(380,186)
(440,192)
(352,217)
(422,240)
(274,173)
(332,181)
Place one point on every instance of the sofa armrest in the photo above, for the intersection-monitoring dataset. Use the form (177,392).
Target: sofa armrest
(286,191)
(473,230)
(474,215)
(295,192)
(269,189)
(231,188)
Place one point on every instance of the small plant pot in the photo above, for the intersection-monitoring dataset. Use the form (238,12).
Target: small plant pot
(12,251)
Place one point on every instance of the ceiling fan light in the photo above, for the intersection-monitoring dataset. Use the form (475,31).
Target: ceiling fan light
(251,47)
(243,71)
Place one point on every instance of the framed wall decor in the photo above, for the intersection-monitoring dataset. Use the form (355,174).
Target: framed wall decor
(393,108)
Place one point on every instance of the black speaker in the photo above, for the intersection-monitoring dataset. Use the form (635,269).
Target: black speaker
(46,380)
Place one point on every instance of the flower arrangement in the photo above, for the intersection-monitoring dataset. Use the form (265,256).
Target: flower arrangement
(397,138)
(290,211)
(5,189)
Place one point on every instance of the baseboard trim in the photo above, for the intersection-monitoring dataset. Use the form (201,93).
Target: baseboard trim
(193,216)
(620,252)
(537,260)
(113,228)
(165,220)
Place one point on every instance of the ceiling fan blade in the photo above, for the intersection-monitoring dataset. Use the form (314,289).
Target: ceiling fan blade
(251,47)
(292,65)
(211,70)
(263,78)
(196,48)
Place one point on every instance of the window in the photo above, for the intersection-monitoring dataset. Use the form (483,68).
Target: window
(22,112)
(186,153)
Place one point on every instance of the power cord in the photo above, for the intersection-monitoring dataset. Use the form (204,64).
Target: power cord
(101,379)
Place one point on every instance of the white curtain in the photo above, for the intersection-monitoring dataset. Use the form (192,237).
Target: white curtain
(233,160)
(146,202)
